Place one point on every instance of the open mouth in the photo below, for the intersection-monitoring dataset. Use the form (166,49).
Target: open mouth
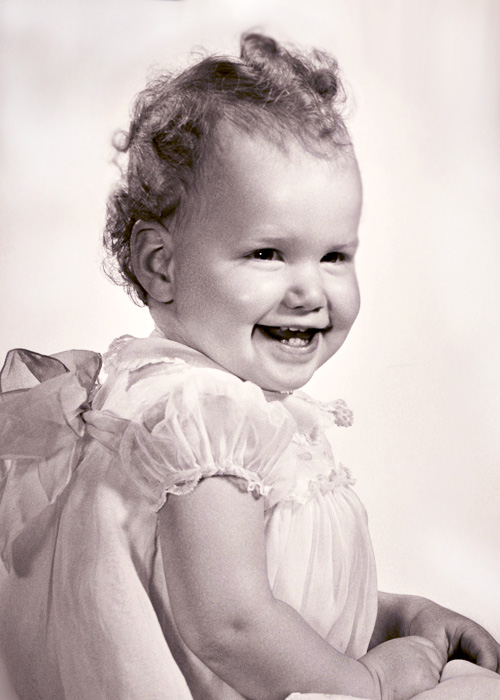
(293,337)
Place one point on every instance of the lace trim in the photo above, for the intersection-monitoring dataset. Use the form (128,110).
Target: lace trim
(109,357)
(111,362)
(334,412)
(323,483)
(254,485)
(342,414)
(328,414)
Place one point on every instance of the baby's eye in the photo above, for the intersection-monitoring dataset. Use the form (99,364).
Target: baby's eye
(334,257)
(265,254)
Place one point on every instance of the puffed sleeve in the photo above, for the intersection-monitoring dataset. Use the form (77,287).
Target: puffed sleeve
(208,423)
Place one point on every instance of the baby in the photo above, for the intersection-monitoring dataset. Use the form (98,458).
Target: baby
(183,532)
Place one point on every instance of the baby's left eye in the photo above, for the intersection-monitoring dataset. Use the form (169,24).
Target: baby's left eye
(333,257)
(265,254)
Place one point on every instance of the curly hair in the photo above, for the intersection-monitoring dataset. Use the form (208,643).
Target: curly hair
(272,90)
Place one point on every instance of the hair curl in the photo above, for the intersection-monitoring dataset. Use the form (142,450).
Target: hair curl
(276,91)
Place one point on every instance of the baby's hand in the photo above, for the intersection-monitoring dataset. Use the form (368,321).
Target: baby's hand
(402,668)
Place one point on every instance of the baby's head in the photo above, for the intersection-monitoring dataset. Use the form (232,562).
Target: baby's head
(236,221)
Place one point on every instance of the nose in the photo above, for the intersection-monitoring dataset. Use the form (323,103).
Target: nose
(305,289)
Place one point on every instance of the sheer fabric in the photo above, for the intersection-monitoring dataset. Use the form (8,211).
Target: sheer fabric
(84,610)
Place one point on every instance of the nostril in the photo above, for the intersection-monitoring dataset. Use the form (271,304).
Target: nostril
(306,296)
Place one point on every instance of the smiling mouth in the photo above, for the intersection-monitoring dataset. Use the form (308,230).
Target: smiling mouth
(293,337)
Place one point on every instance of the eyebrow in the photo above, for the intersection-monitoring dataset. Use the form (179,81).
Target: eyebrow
(276,241)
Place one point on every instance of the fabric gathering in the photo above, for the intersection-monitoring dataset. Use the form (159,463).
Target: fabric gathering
(78,515)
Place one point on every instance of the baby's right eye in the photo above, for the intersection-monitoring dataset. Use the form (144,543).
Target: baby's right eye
(265,254)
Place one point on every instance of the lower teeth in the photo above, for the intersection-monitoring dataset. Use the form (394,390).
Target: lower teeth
(296,342)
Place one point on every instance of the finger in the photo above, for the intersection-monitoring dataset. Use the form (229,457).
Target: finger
(488,658)
(482,648)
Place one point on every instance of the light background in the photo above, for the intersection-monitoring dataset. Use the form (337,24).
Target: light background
(421,367)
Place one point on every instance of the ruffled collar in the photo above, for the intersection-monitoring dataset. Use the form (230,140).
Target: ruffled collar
(129,353)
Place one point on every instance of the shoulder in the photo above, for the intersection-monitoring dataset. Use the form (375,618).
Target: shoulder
(142,374)
(188,420)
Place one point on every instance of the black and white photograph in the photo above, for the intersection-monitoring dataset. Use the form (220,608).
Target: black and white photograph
(249,350)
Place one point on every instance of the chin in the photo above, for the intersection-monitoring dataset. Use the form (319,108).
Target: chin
(285,384)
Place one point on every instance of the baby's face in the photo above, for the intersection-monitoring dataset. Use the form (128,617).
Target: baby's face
(263,274)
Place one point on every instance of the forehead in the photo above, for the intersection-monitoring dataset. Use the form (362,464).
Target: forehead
(244,164)
(253,184)
(238,153)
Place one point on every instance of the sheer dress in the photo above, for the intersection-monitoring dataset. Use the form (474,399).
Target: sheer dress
(84,609)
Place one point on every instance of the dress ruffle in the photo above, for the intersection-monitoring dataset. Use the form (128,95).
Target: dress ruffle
(41,435)
(202,423)
(206,423)
(83,476)
(203,426)
(198,422)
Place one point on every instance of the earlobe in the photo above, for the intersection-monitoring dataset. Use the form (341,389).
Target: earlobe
(151,246)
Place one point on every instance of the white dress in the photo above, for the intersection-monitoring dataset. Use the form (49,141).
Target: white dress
(84,610)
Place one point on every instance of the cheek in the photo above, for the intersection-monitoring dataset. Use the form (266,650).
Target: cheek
(265,288)
(355,301)
(346,302)
(198,287)
(218,304)
(247,294)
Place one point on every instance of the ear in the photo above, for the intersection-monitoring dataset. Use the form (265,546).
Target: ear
(151,246)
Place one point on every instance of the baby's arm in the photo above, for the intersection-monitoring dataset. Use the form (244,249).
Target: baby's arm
(215,567)
(451,633)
